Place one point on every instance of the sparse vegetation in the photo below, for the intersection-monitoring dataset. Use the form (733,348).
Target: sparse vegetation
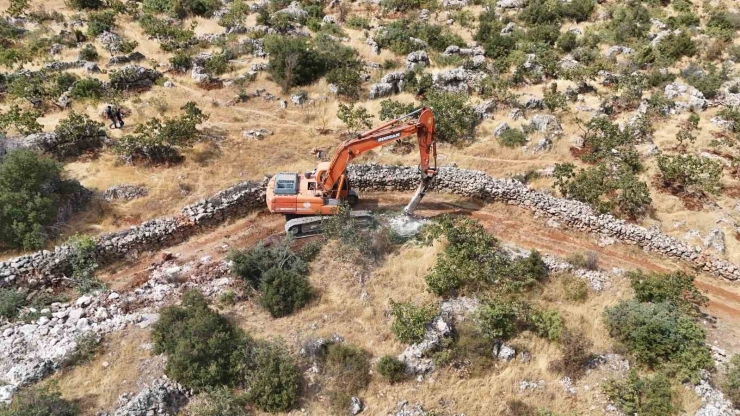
(649,396)
(660,337)
(157,141)
(39,400)
(473,260)
(391,368)
(409,321)
(277,273)
(347,371)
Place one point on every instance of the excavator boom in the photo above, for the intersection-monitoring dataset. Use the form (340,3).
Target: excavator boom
(305,198)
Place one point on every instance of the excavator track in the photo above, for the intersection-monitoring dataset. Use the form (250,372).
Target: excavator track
(309,226)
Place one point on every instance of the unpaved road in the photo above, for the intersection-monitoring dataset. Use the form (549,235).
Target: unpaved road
(509,224)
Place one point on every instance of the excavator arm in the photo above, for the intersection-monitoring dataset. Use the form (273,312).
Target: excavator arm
(393,131)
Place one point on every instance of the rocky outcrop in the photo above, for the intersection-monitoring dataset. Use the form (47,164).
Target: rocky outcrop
(133,77)
(124,193)
(125,59)
(416,356)
(418,58)
(690,99)
(59,147)
(453,80)
(162,398)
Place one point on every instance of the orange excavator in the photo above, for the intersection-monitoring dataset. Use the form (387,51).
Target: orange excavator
(306,198)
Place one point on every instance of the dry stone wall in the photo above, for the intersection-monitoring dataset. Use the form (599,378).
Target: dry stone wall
(578,215)
(48,267)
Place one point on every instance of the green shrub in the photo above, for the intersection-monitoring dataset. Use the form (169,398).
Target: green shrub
(576,354)
(217,64)
(76,133)
(347,370)
(406,5)
(567,41)
(237,14)
(409,321)
(355,119)
(731,381)
(676,46)
(691,174)
(282,292)
(347,80)
(546,324)
(391,368)
(659,336)
(512,138)
(358,22)
(607,189)
(203,349)
(88,53)
(709,82)
(646,396)
(99,22)
(293,62)
(88,88)
(275,383)
(218,402)
(676,288)
(39,400)
(454,118)
(540,12)
(11,301)
(181,61)
(170,36)
(30,192)
(489,35)
(499,320)
(182,8)
(628,21)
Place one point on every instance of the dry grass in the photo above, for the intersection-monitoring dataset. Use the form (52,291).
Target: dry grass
(95,386)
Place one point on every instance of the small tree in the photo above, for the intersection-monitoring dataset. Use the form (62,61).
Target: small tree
(293,61)
(347,80)
(354,118)
(454,118)
(17,7)
(691,173)
(409,321)
(76,133)
(283,291)
(391,109)
(553,99)
(23,121)
(84,263)
(30,191)
(99,22)
(687,129)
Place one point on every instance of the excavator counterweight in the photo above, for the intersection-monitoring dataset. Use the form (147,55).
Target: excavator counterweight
(306,198)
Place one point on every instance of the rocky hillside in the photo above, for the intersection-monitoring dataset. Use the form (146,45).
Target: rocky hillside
(579,251)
